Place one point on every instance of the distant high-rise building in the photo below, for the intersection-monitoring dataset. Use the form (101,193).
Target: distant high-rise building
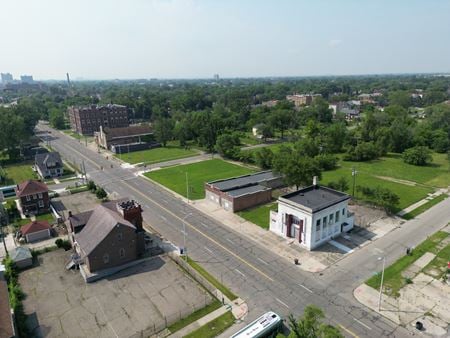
(6,77)
(216,77)
(26,79)
(87,120)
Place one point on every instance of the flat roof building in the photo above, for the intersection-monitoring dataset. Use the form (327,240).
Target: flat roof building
(88,119)
(312,216)
(243,192)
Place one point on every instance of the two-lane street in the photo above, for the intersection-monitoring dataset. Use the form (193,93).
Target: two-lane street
(265,280)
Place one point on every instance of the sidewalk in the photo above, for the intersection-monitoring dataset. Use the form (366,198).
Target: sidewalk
(422,202)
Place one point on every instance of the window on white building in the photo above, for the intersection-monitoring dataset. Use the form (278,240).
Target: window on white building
(337,216)
(324,222)
(343,212)
(331,218)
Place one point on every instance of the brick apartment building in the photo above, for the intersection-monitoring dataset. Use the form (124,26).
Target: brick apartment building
(34,199)
(88,119)
(302,99)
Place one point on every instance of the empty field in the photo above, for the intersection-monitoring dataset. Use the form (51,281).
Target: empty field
(259,215)
(174,178)
(18,173)
(157,155)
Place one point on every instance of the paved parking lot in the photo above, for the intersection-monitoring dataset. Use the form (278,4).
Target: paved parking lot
(133,303)
(76,203)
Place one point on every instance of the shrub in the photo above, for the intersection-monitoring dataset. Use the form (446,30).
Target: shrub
(63,243)
(91,186)
(408,280)
(418,155)
(101,193)
(326,161)
(365,151)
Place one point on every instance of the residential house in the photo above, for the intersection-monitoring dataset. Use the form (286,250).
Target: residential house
(312,216)
(243,192)
(33,196)
(49,165)
(349,110)
(109,236)
(36,231)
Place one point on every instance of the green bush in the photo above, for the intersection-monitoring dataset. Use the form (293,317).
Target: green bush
(417,156)
(63,243)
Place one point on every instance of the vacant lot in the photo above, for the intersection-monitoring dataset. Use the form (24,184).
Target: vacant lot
(174,178)
(259,215)
(157,155)
(133,303)
(17,173)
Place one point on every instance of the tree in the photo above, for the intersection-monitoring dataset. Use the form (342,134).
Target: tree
(364,151)
(56,119)
(440,141)
(281,119)
(326,161)
(311,325)
(401,98)
(13,132)
(227,145)
(163,128)
(101,193)
(91,186)
(386,198)
(264,158)
(418,155)
(342,184)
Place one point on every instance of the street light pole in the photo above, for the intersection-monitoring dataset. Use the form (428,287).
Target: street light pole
(381,284)
(184,235)
(187,187)
(354,180)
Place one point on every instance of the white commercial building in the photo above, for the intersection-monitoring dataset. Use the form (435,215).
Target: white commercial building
(312,216)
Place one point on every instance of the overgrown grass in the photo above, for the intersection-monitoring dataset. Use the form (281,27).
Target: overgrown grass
(195,316)
(174,178)
(259,215)
(214,327)
(157,155)
(439,263)
(230,295)
(393,279)
(18,173)
(424,207)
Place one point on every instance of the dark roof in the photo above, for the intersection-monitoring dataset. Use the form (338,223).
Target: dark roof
(34,226)
(80,219)
(20,253)
(247,190)
(243,181)
(6,324)
(30,187)
(127,131)
(48,160)
(315,198)
(102,221)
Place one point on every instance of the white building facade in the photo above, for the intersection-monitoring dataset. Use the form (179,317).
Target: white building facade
(312,216)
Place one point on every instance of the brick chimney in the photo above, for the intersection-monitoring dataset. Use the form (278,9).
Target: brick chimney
(132,212)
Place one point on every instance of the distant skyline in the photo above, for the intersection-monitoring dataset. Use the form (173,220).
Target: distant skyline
(101,39)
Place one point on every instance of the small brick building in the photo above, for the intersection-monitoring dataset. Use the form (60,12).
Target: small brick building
(108,236)
(33,196)
(243,192)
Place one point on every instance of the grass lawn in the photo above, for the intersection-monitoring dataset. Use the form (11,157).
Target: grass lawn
(439,263)
(393,279)
(18,173)
(44,217)
(366,176)
(436,175)
(214,327)
(259,215)
(212,280)
(174,178)
(424,207)
(156,155)
(195,316)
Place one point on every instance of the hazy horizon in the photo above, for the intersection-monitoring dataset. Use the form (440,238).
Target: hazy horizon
(195,39)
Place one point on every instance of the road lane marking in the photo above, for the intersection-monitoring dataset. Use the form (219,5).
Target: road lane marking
(281,302)
(361,323)
(229,240)
(240,273)
(259,259)
(163,218)
(205,225)
(304,287)
(348,331)
(181,220)
(209,250)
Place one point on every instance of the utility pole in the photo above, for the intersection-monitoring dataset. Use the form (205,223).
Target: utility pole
(184,236)
(354,172)
(187,187)
(381,284)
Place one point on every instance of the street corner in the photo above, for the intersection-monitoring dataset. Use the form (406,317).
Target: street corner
(239,309)
(367,296)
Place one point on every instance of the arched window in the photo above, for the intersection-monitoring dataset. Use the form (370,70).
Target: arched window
(122,252)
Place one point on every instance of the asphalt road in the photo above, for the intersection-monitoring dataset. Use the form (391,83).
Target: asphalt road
(265,280)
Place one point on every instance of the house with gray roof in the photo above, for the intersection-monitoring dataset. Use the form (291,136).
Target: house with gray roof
(49,165)
(243,192)
(22,257)
(109,236)
(312,216)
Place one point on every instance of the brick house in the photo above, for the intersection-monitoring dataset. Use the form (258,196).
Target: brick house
(33,196)
(112,235)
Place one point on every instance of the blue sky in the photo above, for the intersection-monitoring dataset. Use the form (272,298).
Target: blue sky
(106,39)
